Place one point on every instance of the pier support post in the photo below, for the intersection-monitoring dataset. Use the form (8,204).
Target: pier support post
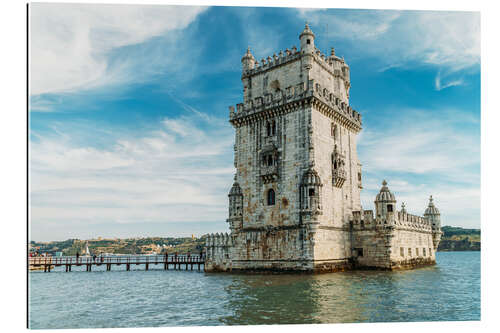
(147,266)
(128,267)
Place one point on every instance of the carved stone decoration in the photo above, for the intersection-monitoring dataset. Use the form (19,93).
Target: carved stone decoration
(310,193)
(339,175)
(269,164)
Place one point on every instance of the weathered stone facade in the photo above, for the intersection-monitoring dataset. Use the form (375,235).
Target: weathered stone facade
(295,203)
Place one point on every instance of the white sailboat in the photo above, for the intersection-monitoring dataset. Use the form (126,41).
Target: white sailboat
(87,252)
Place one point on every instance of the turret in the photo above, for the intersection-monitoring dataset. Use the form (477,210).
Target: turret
(235,207)
(307,40)
(385,202)
(434,217)
(248,61)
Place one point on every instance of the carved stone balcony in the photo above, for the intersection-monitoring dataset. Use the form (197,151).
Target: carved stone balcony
(270,141)
(269,173)
(338,177)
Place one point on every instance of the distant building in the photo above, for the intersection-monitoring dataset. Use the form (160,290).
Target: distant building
(295,202)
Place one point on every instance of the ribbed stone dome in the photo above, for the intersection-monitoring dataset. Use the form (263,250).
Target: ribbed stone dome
(248,55)
(236,189)
(307,31)
(431,209)
(311,177)
(385,194)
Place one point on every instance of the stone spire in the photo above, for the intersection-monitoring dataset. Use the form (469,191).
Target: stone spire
(403,207)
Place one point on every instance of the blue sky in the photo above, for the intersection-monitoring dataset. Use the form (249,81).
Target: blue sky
(129,132)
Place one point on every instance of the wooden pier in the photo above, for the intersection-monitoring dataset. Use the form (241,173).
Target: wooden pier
(177,262)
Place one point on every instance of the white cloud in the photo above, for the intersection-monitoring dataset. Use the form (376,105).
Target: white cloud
(180,172)
(429,152)
(70,43)
(427,142)
(443,85)
(449,39)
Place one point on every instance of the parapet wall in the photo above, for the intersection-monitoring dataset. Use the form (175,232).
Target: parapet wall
(296,93)
(334,65)
(365,219)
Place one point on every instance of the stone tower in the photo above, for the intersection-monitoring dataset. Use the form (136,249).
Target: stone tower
(298,177)
(295,201)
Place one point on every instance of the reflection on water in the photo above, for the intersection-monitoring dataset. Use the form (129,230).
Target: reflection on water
(448,291)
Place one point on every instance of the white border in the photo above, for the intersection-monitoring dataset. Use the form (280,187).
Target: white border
(13,144)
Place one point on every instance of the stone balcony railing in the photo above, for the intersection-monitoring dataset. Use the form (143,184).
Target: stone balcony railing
(338,177)
(269,173)
(270,141)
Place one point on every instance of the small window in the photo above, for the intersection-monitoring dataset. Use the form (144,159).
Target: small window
(424,252)
(430,252)
(268,129)
(269,160)
(359,252)
(402,251)
(416,251)
(273,128)
(270,197)
(389,208)
(359,176)
(308,41)
(311,192)
(409,251)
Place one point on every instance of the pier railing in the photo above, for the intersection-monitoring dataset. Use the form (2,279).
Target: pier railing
(167,260)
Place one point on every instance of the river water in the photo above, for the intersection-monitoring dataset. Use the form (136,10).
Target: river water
(449,291)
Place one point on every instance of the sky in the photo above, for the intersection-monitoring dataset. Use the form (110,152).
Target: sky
(128,116)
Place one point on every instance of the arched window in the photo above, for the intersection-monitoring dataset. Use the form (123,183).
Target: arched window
(268,129)
(274,128)
(270,197)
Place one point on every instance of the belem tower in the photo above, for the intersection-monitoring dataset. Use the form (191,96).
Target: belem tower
(295,202)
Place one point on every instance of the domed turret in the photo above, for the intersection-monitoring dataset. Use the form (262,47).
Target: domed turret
(311,178)
(235,190)
(385,201)
(307,40)
(248,60)
(310,189)
(431,209)
(432,213)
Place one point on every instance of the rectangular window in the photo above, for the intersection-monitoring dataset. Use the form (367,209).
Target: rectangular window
(402,251)
(416,251)
(359,252)
(430,252)
(424,251)
(409,252)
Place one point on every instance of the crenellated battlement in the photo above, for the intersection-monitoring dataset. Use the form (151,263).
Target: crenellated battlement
(326,101)
(413,221)
(364,220)
(218,240)
(333,64)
